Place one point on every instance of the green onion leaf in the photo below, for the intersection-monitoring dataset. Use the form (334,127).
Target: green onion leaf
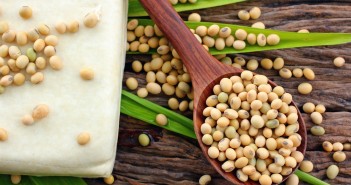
(145,110)
(135,9)
(31,180)
(309,178)
(287,39)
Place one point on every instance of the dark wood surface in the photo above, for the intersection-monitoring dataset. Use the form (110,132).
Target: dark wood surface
(173,159)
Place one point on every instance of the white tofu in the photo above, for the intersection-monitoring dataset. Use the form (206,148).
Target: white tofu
(49,146)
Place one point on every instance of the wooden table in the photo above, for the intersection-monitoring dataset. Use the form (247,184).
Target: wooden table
(174,159)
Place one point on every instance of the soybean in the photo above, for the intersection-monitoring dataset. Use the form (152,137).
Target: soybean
(43,29)
(137,66)
(278,63)
(332,171)
(4,27)
(142,92)
(239,45)
(31,69)
(308,107)
(109,180)
(37,78)
(39,45)
(303,31)
(91,19)
(205,179)
(144,140)
(213,152)
(61,27)
(22,62)
(132,83)
(51,40)
(83,138)
(228,166)
(320,108)
(273,39)
(31,54)
(292,180)
(213,30)
(153,88)
(339,62)
(251,38)
(73,26)
(252,65)
(255,13)
(8,36)
(327,146)
(26,12)
(337,146)
(173,103)
(297,72)
(259,25)
(346,146)
(33,34)
(309,74)
(40,63)
(3,134)
(27,119)
(240,34)
(305,88)
(194,17)
(4,51)
(244,15)
(40,111)
(316,118)
(55,62)
(339,156)
(265,180)
(285,73)
(261,39)
(266,63)
(132,24)
(317,130)
(306,166)
(87,73)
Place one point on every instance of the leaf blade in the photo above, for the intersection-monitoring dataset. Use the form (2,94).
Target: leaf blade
(130,105)
(288,39)
(135,9)
(52,180)
(309,178)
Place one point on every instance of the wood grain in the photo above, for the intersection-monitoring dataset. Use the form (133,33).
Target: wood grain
(173,159)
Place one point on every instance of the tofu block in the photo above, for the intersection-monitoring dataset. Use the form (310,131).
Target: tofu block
(49,146)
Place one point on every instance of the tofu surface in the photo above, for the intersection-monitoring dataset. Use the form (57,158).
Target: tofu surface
(49,146)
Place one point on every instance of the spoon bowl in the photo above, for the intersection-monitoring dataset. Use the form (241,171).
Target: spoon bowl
(205,71)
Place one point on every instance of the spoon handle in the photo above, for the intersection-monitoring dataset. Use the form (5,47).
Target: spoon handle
(200,64)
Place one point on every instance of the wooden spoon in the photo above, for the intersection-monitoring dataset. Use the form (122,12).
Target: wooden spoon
(205,71)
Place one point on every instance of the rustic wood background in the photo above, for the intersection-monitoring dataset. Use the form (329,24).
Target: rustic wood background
(173,159)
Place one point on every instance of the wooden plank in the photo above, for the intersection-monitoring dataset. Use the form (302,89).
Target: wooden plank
(173,159)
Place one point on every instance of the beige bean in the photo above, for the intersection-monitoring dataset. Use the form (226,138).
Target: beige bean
(83,138)
(56,62)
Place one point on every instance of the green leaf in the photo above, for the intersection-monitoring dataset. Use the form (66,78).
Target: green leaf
(309,178)
(145,110)
(31,180)
(135,9)
(287,39)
